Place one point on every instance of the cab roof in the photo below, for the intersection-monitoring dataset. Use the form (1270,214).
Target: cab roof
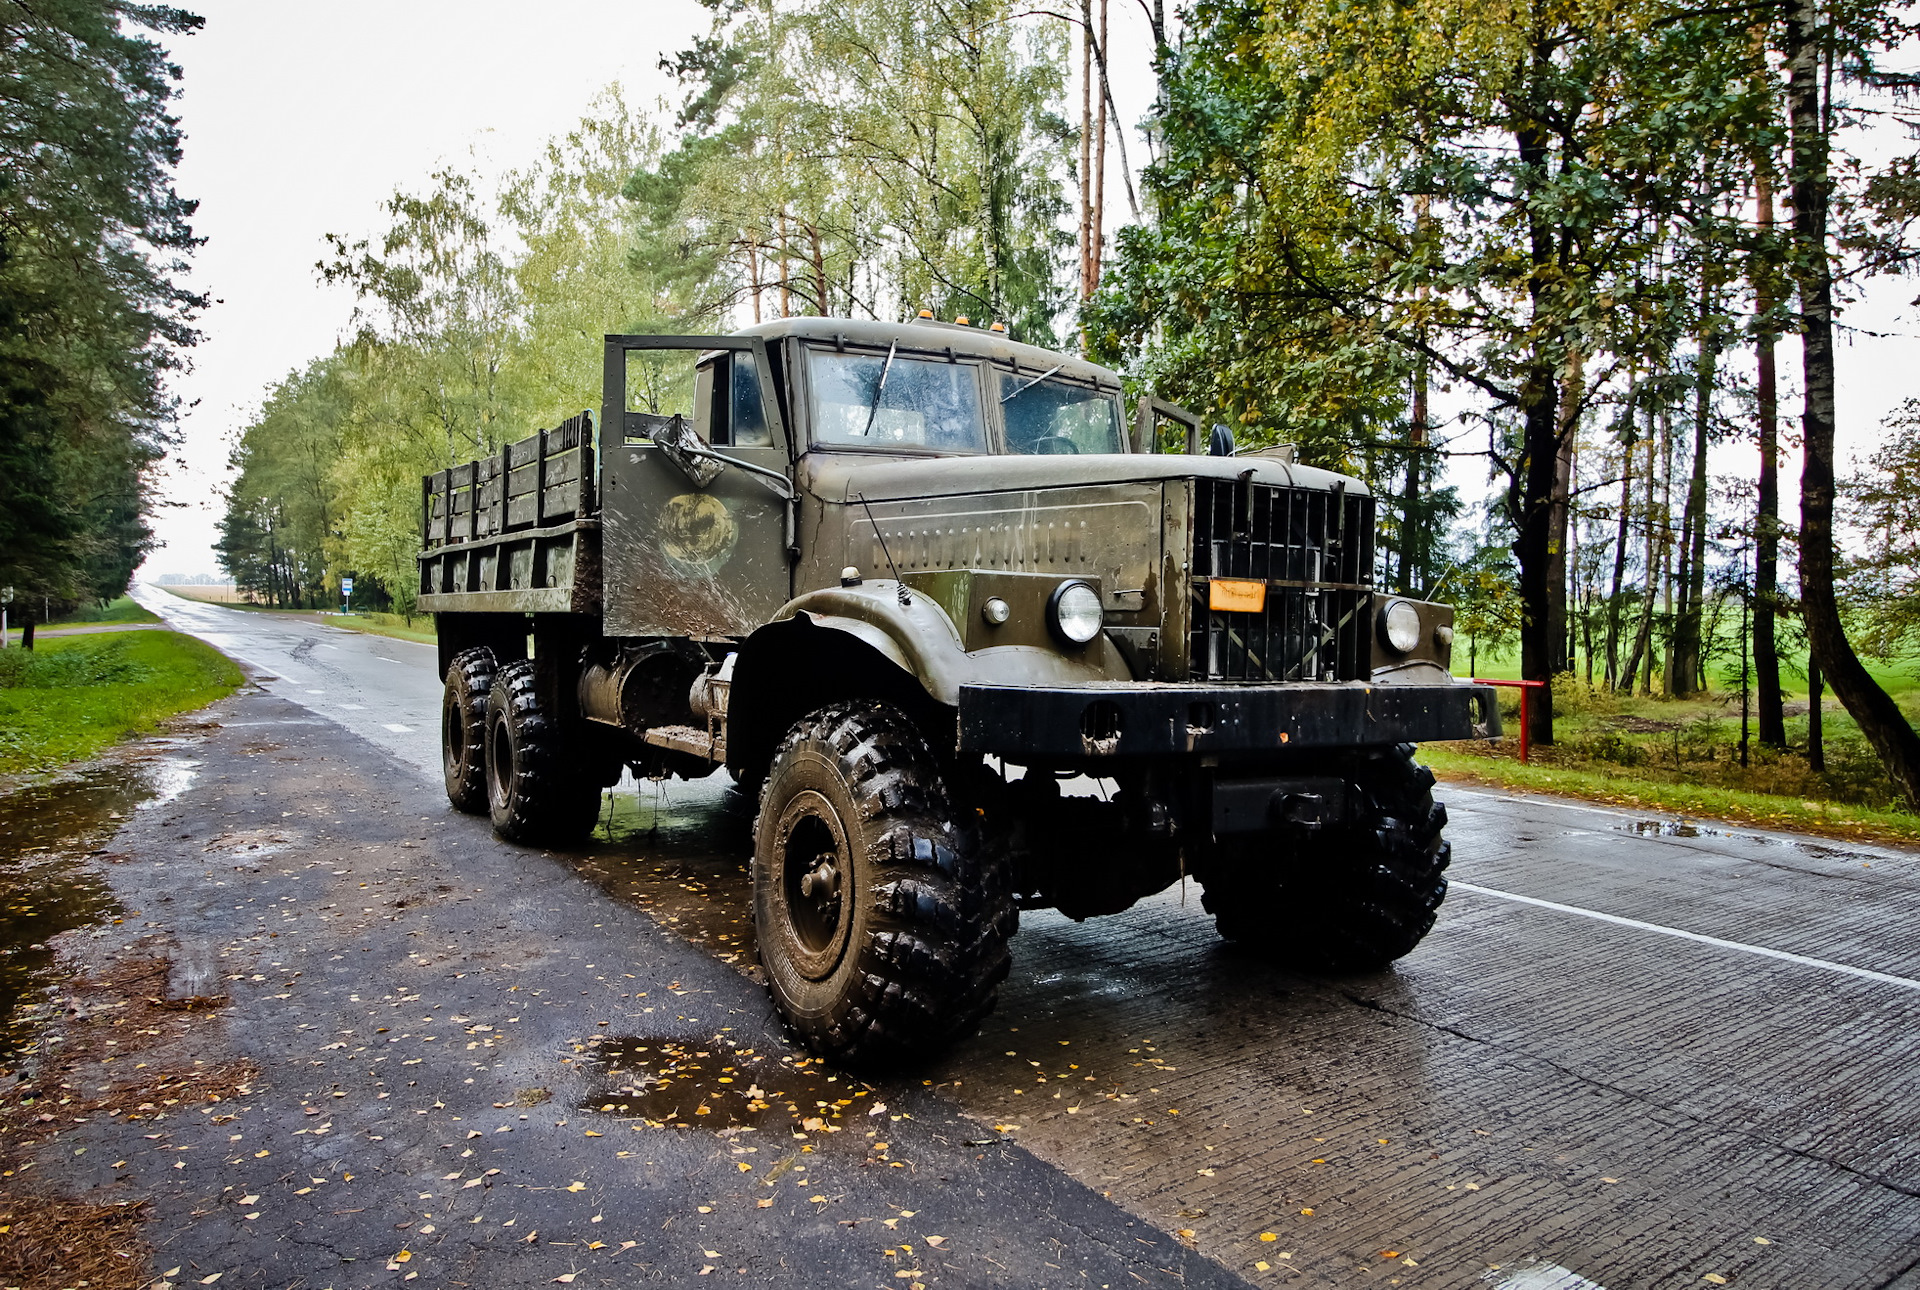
(929,337)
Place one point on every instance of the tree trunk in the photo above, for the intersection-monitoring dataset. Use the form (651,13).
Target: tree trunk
(1086,148)
(822,304)
(1770,707)
(1688,645)
(1538,473)
(1532,549)
(1620,556)
(1878,717)
(1559,522)
(1411,540)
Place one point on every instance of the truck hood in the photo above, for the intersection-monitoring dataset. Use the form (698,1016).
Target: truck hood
(838,477)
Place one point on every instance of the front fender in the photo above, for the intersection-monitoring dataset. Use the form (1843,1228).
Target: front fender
(920,638)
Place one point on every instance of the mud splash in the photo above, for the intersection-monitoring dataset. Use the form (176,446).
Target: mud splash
(687,1084)
(48,832)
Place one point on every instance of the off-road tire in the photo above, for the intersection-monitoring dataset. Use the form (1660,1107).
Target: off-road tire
(905,956)
(463,729)
(536,793)
(1350,898)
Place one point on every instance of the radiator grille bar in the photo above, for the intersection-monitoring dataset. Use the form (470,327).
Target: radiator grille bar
(1314,550)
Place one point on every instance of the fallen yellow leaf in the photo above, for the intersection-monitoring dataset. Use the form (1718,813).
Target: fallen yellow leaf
(1268,1236)
(403,1256)
(576,1186)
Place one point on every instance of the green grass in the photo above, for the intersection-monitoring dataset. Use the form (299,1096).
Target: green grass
(122,610)
(1767,810)
(119,610)
(72,696)
(1683,757)
(421,629)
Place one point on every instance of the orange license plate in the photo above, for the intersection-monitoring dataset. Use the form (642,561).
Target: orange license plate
(1235,596)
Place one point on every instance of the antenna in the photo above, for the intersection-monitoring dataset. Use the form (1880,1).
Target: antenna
(905,597)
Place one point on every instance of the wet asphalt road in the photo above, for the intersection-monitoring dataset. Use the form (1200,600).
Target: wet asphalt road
(1633,1053)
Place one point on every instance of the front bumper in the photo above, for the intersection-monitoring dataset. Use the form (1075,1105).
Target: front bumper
(1149,719)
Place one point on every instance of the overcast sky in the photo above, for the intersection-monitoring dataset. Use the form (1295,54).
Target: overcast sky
(301,119)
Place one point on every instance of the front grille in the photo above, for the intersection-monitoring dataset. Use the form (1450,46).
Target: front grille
(1314,550)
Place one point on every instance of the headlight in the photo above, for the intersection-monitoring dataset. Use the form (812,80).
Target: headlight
(1074,612)
(1400,626)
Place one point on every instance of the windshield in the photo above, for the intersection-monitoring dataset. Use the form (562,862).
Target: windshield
(922,404)
(1054,417)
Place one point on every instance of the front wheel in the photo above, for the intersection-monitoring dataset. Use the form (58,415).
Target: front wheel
(536,793)
(882,923)
(1347,898)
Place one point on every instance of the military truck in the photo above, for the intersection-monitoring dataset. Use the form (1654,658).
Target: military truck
(904,582)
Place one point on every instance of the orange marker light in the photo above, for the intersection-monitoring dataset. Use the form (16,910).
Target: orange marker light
(926,313)
(999,326)
(963,321)
(1234,596)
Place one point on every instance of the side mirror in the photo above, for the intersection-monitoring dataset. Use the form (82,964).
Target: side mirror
(1221,444)
(675,438)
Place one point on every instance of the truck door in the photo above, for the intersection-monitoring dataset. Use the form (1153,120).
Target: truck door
(692,545)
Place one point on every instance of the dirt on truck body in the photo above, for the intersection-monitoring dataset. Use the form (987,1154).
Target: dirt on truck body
(901,580)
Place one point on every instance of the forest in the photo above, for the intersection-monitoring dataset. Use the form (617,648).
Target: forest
(93,319)
(1596,253)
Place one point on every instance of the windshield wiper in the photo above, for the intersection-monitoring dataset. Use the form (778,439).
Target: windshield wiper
(880,388)
(1029,385)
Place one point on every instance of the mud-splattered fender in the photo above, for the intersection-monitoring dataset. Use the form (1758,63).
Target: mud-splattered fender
(861,641)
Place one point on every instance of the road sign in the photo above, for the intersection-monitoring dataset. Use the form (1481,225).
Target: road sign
(6,595)
(346,586)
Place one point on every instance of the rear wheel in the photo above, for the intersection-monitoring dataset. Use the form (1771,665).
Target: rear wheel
(882,923)
(535,792)
(1347,898)
(463,729)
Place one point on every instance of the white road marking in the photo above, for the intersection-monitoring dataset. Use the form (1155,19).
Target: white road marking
(315,691)
(1538,1276)
(398,730)
(334,648)
(352,707)
(1803,960)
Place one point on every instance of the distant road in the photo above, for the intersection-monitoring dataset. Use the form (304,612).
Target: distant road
(380,688)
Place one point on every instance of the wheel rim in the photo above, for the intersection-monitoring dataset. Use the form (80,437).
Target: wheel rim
(453,734)
(815,885)
(499,762)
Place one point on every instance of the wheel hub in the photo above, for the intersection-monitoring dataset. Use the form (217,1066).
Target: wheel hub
(812,855)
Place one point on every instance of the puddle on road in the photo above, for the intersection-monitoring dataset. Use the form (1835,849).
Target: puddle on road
(680,852)
(47,832)
(682,1084)
(1667,829)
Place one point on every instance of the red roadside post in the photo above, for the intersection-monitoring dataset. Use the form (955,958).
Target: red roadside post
(1523,687)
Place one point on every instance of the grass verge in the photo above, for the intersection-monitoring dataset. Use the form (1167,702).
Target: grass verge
(122,610)
(74,695)
(421,629)
(1765,810)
